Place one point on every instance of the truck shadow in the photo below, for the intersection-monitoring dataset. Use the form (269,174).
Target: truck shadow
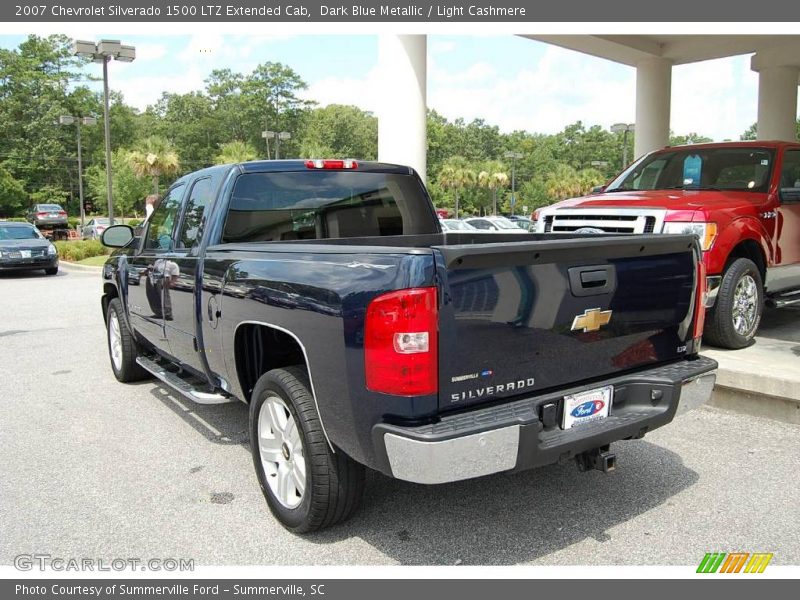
(513,518)
(503,519)
(219,423)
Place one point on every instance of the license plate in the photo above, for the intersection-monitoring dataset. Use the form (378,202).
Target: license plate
(586,407)
(14,255)
(53,215)
(25,253)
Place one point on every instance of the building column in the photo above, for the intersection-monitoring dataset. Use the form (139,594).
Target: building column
(402,116)
(777,103)
(653,90)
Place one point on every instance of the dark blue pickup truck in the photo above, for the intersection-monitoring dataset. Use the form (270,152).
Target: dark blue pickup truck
(324,294)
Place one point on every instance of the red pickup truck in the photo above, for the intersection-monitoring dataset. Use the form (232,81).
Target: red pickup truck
(742,199)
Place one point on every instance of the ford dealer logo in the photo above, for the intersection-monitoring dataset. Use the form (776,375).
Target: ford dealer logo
(587,409)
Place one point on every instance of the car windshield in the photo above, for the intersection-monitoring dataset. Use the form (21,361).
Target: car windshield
(456,225)
(18,232)
(687,168)
(503,223)
(50,207)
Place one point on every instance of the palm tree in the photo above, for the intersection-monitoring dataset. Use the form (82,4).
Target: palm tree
(493,178)
(155,157)
(235,152)
(456,175)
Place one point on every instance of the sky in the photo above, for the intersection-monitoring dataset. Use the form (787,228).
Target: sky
(511,82)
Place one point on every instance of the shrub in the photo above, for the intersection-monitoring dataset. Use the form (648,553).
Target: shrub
(75,251)
(133,222)
(73,222)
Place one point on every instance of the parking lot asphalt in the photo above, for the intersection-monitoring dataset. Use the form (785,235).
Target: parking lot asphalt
(95,468)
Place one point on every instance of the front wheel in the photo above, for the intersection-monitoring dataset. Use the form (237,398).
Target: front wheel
(734,320)
(307,486)
(122,349)
(51,271)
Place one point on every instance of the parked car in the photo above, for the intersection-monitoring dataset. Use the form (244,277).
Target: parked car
(94,228)
(494,224)
(521,222)
(455,225)
(47,215)
(741,199)
(324,295)
(23,248)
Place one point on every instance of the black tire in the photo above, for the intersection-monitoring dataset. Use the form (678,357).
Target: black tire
(334,483)
(51,271)
(128,369)
(720,330)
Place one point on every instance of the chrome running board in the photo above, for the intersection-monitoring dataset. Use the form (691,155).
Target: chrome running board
(182,386)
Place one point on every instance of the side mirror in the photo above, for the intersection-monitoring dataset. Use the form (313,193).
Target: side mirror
(598,189)
(117,236)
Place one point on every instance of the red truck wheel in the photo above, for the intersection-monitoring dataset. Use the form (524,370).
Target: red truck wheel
(734,320)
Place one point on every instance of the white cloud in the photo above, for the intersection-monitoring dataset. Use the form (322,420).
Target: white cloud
(362,92)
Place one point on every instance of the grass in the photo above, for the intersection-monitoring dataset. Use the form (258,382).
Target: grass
(93,261)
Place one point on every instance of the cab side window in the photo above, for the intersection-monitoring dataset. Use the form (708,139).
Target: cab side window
(790,176)
(191,228)
(162,221)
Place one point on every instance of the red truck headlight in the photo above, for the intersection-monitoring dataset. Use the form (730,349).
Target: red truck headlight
(401,343)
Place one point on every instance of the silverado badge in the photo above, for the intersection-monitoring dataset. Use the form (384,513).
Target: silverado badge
(592,319)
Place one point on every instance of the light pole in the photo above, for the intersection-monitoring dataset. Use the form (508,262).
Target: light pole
(624,129)
(103,51)
(69,120)
(514,156)
(277,136)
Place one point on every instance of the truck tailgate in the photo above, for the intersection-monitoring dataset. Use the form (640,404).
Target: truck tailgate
(533,315)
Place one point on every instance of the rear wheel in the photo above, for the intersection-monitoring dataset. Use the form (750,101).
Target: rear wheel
(306,485)
(734,320)
(122,349)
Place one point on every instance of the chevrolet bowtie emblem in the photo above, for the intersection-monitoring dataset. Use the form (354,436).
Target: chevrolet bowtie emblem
(592,319)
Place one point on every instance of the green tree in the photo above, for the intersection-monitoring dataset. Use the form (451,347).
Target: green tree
(154,157)
(457,176)
(493,177)
(235,152)
(751,132)
(128,189)
(12,194)
(342,131)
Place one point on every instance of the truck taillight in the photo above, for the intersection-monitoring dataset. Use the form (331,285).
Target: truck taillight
(401,343)
(700,302)
(331,164)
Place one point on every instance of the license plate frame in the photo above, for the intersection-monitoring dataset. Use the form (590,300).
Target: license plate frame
(572,417)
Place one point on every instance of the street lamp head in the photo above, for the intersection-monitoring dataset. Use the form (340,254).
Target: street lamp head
(88,121)
(66,120)
(622,127)
(512,155)
(109,48)
(285,135)
(84,48)
(126,54)
(267,135)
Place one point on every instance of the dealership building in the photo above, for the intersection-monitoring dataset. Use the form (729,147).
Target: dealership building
(776,59)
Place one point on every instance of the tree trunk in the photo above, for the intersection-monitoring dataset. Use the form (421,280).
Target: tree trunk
(494,202)
(456,205)
(155,184)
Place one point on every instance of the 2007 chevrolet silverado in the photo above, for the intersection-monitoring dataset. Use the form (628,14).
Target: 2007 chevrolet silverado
(324,294)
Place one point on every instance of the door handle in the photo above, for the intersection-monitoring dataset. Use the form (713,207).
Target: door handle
(592,280)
